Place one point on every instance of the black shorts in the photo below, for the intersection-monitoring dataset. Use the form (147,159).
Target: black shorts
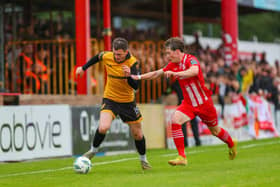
(128,112)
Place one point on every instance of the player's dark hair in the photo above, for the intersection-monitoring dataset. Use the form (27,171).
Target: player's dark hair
(175,43)
(120,43)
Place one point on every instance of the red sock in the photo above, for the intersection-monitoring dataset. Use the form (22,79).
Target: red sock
(225,137)
(178,138)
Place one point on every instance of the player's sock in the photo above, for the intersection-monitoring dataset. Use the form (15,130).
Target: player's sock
(98,139)
(225,137)
(143,157)
(178,138)
(141,148)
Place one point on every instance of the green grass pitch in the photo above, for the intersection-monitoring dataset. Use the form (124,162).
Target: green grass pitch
(257,164)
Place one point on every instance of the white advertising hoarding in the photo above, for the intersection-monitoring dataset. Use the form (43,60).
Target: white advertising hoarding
(28,132)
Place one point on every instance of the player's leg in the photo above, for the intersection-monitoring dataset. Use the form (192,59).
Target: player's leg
(140,144)
(130,114)
(179,118)
(223,135)
(185,133)
(104,125)
(208,115)
(195,130)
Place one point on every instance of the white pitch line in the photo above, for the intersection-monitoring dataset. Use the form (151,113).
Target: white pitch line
(65,168)
(126,159)
(114,161)
(34,172)
(256,145)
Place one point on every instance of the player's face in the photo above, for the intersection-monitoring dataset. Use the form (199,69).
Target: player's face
(119,55)
(172,56)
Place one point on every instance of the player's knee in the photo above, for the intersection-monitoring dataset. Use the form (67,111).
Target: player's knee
(214,131)
(103,129)
(175,119)
(137,136)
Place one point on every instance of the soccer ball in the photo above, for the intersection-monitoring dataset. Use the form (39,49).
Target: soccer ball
(82,165)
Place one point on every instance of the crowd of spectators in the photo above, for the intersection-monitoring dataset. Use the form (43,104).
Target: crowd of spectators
(59,26)
(37,28)
(249,75)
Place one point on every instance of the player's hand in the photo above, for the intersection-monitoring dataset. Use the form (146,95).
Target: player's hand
(126,70)
(168,74)
(135,77)
(79,72)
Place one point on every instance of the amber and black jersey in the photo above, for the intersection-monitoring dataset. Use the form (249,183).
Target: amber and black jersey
(118,87)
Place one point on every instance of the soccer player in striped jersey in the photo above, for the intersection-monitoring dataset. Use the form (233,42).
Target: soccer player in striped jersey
(119,97)
(197,98)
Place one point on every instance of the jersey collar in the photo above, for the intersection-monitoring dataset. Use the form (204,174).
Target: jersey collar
(126,57)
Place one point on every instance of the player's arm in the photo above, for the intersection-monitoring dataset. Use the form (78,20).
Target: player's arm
(191,72)
(81,69)
(133,83)
(149,75)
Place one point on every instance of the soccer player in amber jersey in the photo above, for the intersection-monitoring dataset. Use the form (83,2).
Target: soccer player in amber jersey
(197,98)
(119,97)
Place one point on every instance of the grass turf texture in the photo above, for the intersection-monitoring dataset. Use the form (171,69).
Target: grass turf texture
(257,164)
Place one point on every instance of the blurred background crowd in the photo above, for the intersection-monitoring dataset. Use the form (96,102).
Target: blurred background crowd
(254,75)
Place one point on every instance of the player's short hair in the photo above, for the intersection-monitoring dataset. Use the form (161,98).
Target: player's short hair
(175,43)
(120,43)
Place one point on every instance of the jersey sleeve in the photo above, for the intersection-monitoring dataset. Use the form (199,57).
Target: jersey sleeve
(133,83)
(103,56)
(97,58)
(193,61)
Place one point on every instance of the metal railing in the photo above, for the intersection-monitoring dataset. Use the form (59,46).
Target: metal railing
(48,67)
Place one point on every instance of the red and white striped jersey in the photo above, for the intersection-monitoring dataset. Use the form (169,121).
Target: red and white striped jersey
(193,88)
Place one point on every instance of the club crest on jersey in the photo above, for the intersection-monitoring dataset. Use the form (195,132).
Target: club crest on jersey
(194,62)
(136,110)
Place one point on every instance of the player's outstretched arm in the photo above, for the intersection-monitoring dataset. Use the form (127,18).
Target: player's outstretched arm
(191,72)
(148,76)
(81,69)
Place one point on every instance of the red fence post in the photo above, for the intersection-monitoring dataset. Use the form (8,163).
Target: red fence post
(107,33)
(177,18)
(82,10)
(229,14)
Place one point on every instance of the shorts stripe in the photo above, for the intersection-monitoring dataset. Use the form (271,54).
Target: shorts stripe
(109,111)
(134,122)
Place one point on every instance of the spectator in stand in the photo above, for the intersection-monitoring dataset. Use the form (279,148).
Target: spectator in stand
(24,65)
(222,92)
(29,33)
(263,58)
(256,82)
(277,85)
(277,67)
(233,85)
(221,65)
(240,77)
(42,70)
(195,47)
(266,83)
(274,88)
(214,87)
